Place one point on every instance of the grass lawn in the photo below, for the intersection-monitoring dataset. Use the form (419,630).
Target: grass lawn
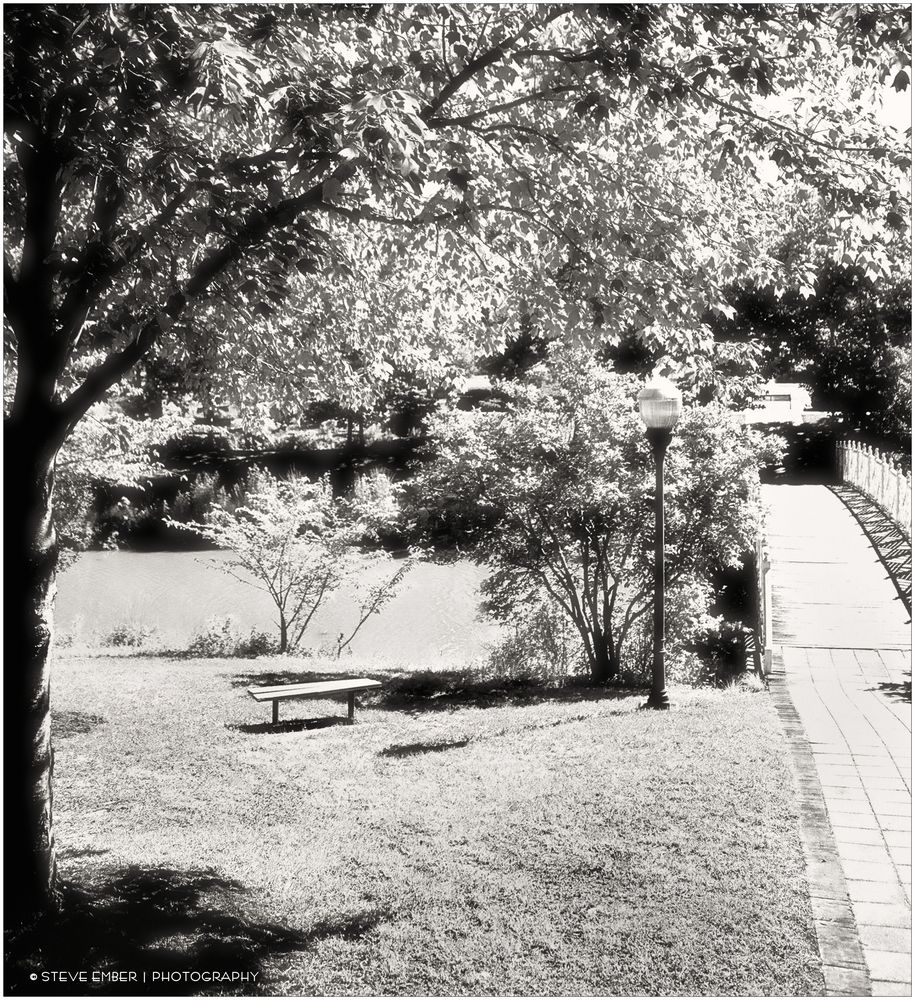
(460,839)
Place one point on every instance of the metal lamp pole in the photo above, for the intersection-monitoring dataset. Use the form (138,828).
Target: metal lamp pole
(660,403)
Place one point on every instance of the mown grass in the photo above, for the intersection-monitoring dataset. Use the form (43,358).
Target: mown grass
(464,838)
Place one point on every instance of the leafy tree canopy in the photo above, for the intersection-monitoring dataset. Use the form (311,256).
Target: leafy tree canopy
(390,177)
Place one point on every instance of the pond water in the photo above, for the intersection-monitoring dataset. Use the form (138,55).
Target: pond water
(433,616)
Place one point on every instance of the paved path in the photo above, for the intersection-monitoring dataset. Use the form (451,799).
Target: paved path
(842,651)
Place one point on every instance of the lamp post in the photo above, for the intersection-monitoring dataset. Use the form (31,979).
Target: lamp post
(660,403)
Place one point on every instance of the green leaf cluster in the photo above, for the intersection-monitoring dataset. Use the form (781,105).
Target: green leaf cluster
(253,190)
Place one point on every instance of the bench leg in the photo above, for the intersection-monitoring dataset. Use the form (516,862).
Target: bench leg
(352,705)
(276,711)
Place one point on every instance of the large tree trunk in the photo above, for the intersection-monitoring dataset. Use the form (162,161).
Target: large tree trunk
(604,665)
(600,669)
(30,565)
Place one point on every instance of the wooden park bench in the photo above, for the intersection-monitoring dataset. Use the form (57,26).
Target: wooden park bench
(314,689)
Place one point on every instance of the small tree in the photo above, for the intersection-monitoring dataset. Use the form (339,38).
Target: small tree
(295,541)
(555,494)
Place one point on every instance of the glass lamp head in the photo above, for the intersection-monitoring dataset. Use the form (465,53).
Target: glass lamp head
(660,403)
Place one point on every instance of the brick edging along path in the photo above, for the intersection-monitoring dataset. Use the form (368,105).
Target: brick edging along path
(844,967)
(843,641)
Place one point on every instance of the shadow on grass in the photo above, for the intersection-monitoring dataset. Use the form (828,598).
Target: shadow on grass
(273,678)
(174,923)
(897,690)
(443,690)
(414,749)
(289,725)
(67,724)
(127,653)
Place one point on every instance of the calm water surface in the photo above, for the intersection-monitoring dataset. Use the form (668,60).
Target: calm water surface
(432,616)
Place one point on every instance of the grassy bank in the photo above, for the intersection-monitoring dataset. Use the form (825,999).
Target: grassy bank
(463,838)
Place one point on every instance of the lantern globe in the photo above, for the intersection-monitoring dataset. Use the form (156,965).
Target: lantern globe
(660,403)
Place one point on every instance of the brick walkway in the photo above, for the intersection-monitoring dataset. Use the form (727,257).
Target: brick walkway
(841,644)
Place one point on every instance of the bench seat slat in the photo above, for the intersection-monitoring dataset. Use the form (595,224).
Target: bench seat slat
(313,689)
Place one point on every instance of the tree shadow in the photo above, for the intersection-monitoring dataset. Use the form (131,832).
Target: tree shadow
(448,690)
(273,678)
(400,750)
(289,725)
(65,724)
(128,653)
(157,920)
(897,690)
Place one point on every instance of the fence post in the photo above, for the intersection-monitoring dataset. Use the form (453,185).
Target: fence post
(884,481)
(907,502)
(764,601)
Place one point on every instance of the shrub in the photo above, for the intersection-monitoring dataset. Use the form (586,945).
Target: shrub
(542,645)
(130,634)
(222,637)
(66,637)
(256,643)
(203,494)
(746,683)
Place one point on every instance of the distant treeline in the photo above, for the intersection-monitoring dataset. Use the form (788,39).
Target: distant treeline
(205,469)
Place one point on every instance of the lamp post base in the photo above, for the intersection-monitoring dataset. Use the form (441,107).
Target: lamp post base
(658,700)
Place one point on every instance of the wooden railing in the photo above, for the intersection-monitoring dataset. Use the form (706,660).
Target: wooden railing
(880,476)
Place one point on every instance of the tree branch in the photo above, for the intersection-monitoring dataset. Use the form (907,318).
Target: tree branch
(475,116)
(81,294)
(775,123)
(108,372)
(486,59)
